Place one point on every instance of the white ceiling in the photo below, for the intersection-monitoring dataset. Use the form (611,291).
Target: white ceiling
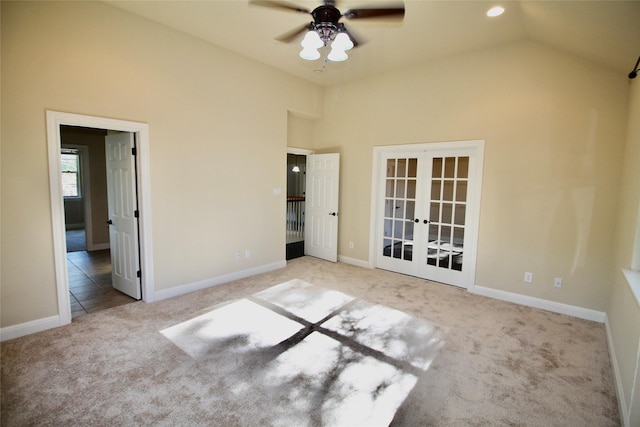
(606,32)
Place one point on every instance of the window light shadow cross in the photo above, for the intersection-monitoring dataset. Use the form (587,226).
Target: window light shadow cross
(307,355)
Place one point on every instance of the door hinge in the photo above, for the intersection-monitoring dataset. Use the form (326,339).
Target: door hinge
(136,213)
(138,273)
(133,151)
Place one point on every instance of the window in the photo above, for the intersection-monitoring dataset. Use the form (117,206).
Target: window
(71,173)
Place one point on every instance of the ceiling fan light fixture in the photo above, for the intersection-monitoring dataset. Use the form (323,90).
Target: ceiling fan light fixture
(310,53)
(312,40)
(337,55)
(342,42)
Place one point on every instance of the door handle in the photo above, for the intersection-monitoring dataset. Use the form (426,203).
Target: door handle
(109,222)
(416,220)
(333,213)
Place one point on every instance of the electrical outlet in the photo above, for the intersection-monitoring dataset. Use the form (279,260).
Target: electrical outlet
(528,277)
(351,244)
(557,282)
(238,255)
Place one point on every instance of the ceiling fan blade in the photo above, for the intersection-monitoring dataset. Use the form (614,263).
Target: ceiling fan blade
(395,12)
(280,5)
(290,36)
(357,40)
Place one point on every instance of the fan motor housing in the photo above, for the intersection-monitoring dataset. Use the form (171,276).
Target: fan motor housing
(326,13)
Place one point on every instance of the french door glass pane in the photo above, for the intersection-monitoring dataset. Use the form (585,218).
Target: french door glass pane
(400,186)
(437,168)
(412,171)
(463,167)
(449,167)
(388,208)
(447,209)
(391,168)
(390,187)
(435,189)
(399,208)
(411,188)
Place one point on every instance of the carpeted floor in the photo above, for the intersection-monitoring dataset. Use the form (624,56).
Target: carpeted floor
(313,344)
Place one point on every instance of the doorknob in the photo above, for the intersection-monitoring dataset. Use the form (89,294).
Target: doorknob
(333,213)
(109,222)
(416,220)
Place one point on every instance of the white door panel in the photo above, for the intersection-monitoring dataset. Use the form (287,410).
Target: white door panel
(323,175)
(123,222)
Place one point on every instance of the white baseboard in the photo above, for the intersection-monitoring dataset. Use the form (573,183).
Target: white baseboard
(354,261)
(38,325)
(556,307)
(215,281)
(622,404)
(98,247)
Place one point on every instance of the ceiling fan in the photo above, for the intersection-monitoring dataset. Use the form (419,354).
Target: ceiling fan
(326,28)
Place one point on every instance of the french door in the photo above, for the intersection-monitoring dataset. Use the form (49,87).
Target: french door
(427,213)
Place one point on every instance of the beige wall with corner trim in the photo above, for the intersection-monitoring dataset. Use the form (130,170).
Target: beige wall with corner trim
(218,137)
(623,312)
(554,129)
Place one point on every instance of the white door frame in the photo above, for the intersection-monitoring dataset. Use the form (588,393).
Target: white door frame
(299,151)
(474,214)
(55,119)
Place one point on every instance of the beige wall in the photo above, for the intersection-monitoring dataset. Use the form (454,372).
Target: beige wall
(554,127)
(624,311)
(205,107)
(300,131)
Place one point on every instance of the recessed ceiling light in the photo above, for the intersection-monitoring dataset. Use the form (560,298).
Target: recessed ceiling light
(495,11)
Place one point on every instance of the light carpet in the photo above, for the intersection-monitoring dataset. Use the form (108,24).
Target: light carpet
(313,344)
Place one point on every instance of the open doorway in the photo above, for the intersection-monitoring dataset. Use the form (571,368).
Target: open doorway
(296,190)
(86,215)
(139,160)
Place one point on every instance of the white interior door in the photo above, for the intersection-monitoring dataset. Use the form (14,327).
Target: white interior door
(321,228)
(428,213)
(123,221)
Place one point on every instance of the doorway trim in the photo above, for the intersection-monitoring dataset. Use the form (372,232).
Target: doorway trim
(474,223)
(55,119)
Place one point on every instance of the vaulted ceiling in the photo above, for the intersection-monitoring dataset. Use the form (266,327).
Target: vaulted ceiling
(605,32)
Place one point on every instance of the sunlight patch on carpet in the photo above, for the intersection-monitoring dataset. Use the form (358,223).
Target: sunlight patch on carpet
(309,302)
(235,329)
(314,356)
(326,381)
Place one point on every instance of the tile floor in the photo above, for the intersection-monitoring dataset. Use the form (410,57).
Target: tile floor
(90,283)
